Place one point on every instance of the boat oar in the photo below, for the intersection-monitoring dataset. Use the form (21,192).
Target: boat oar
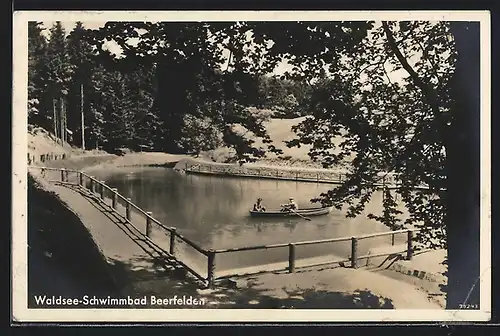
(306,218)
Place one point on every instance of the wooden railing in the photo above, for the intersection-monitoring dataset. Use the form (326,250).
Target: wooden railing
(99,188)
(96,187)
(353,259)
(45,157)
(275,173)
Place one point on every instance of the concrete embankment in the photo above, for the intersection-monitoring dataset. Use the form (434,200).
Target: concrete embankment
(63,258)
(260,170)
(80,162)
(426,270)
(426,264)
(322,288)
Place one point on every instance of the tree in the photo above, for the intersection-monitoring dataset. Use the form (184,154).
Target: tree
(82,59)
(141,90)
(462,169)
(117,110)
(283,95)
(408,127)
(199,135)
(189,77)
(95,98)
(37,49)
(59,71)
(405,127)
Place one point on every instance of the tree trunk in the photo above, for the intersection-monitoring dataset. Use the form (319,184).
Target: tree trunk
(82,117)
(463,186)
(171,102)
(61,119)
(55,118)
(462,164)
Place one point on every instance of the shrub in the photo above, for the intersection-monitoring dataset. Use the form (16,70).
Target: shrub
(198,134)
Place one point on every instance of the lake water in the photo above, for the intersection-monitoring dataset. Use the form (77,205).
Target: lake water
(213,212)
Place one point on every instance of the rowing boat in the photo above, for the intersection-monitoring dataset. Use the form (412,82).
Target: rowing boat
(296,213)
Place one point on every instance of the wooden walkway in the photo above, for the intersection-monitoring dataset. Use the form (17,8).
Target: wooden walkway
(134,262)
(139,268)
(169,246)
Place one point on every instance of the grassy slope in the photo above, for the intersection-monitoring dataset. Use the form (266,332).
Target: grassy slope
(279,130)
(41,142)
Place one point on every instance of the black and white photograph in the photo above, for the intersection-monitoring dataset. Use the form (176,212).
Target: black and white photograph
(251,166)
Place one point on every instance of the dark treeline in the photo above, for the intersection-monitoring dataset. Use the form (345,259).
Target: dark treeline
(173,104)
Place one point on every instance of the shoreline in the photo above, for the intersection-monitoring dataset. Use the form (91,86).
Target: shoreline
(109,162)
(179,161)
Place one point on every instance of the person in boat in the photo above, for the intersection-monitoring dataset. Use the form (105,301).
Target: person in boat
(291,205)
(258,206)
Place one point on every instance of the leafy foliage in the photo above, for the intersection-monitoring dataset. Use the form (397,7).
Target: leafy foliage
(388,90)
(82,63)
(386,121)
(192,84)
(37,48)
(391,93)
(199,134)
(59,68)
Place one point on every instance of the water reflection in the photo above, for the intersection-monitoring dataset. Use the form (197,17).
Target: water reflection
(213,211)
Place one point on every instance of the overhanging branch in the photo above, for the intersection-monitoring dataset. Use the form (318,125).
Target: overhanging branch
(427,90)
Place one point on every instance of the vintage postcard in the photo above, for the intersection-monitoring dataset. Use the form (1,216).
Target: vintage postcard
(251,166)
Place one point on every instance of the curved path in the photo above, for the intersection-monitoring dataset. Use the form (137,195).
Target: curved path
(141,269)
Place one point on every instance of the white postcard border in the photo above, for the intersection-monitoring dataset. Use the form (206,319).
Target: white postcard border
(19,173)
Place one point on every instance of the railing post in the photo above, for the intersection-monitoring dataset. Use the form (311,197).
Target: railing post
(409,252)
(101,190)
(296,175)
(354,252)
(127,209)
(211,268)
(92,185)
(291,258)
(113,197)
(317,177)
(80,174)
(62,174)
(393,239)
(67,175)
(172,240)
(148,223)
